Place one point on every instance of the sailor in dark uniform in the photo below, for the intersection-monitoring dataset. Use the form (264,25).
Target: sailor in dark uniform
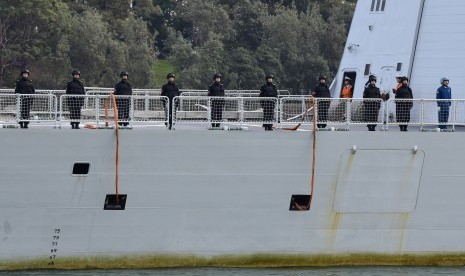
(371,111)
(75,87)
(368,81)
(24,87)
(170,90)
(268,90)
(322,91)
(403,106)
(123,88)
(216,89)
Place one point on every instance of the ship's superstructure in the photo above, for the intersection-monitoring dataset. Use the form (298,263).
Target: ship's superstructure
(420,39)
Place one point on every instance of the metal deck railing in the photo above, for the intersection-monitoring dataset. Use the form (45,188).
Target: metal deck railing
(52,107)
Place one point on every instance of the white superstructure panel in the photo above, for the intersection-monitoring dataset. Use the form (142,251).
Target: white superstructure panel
(439,50)
(381,39)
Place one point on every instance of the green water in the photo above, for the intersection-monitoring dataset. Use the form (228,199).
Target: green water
(339,271)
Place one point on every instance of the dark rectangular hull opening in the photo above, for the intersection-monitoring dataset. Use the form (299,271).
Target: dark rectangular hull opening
(112,204)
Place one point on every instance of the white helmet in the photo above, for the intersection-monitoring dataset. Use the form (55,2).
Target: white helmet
(444,79)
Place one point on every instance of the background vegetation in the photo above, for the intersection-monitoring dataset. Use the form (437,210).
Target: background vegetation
(295,40)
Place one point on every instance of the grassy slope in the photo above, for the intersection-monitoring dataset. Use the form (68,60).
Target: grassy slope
(160,69)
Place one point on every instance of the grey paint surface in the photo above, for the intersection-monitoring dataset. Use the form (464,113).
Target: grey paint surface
(219,192)
(439,53)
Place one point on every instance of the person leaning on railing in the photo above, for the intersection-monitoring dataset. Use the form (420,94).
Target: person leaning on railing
(268,90)
(24,86)
(443,94)
(216,89)
(75,87)
(322,91)
(371,106)
(123,88)
(403,106)
(170,90)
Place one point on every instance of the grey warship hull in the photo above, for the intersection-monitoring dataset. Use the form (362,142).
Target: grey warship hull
(196,194)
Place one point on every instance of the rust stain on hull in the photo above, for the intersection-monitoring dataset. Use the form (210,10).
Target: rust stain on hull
(246,261)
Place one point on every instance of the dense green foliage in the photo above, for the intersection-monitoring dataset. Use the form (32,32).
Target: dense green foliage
(295,40)
(50,37)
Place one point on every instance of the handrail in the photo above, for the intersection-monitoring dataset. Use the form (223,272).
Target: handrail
(285,111)
(154,91)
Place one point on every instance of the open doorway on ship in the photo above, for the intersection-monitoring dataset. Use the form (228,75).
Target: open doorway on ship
(353,76)
(342,106)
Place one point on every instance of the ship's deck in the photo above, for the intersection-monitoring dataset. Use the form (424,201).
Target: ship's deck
(84,126)
(200,112)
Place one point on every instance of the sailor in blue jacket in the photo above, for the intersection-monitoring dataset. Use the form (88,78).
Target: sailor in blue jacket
(443,93)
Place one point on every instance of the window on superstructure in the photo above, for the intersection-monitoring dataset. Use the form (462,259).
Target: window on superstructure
(399,67)
(378,5)
(367,69)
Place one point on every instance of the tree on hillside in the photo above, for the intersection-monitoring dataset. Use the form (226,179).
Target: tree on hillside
(246,21)
(297,36)
(30,31)
(108,8)
(204,62)
(244,70)
(268,60)
(204,17)
(295,40)
(93,50)
(138,43)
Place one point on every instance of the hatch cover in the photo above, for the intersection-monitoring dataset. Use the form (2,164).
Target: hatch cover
(378,181)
